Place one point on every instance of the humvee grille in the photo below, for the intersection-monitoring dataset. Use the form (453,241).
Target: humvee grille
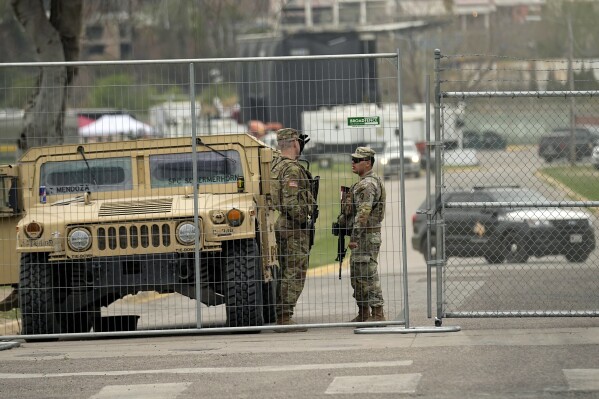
(162,205)
(134,236)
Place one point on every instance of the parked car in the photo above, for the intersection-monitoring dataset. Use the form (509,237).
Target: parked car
(557,144)
(502,234)
(471,139)
(390,160)
(491,140)
(487,140)
(595,157)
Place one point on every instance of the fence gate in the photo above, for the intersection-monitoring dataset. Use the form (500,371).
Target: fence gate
(513,208)
(131,221)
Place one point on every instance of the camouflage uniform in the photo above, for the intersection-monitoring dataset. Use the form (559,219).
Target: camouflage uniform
(368,210)
(293,199)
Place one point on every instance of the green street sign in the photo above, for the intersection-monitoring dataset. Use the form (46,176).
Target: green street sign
(360,121)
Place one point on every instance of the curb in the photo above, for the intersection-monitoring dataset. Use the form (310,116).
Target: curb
(5,345)
(329,269)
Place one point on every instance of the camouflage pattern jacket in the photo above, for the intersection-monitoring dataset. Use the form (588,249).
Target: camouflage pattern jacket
(368,205)
(291,193)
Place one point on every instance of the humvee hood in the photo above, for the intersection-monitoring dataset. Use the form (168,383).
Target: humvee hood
(176,206)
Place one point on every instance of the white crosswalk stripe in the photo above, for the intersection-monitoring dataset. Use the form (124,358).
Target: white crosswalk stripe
(389,383)
(215,370)
(582,379)
(142,391)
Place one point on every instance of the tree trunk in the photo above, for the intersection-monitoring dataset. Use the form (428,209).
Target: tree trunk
(55,40)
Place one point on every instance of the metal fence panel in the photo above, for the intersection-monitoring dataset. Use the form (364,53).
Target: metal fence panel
(518,217)
(154,148)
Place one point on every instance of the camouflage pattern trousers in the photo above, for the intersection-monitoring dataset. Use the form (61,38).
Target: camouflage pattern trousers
(363,268)
(294,258)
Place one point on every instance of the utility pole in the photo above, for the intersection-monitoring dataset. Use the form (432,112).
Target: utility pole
(571,88)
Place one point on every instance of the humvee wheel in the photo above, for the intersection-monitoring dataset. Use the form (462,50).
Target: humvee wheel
(243,284)
(40,298)
(36,295)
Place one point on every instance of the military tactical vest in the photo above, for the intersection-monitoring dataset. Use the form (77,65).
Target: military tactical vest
(378,207)
(280,166)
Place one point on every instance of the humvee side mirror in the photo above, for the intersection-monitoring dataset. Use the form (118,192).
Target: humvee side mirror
(9,199)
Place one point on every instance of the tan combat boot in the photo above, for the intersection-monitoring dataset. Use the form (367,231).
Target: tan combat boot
(285,320)
(363,314)
(377,314)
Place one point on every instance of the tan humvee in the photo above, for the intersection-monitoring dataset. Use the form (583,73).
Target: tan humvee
(99,221)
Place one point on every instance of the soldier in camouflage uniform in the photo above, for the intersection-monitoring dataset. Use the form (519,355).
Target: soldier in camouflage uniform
(293,199)
(367,198)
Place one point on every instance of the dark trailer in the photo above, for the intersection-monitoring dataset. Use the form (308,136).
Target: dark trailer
(279,91)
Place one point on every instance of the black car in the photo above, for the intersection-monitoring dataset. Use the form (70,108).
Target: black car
(471,139)
(512,235)
(487,140)
(557,144)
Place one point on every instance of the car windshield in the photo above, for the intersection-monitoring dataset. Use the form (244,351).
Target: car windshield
(176,170)
(407,147)
(580,133)
(519,195)
(79,176)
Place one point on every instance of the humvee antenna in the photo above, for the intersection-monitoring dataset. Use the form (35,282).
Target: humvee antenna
(81,151)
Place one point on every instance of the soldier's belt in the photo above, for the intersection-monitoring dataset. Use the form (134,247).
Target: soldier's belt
(372,229)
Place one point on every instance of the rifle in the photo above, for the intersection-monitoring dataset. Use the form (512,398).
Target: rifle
(314,186)
(341,231)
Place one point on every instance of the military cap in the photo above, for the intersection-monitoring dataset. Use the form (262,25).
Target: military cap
(287,134)
(363,152)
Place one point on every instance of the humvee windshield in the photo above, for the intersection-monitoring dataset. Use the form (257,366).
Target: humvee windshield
(75,177)
(176,170)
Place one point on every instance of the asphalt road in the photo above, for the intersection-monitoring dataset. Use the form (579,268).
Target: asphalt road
(488,357)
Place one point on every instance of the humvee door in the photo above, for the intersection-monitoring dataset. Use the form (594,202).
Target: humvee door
(11,210)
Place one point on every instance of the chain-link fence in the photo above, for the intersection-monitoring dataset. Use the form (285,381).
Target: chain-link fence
(513,209)
(152,208)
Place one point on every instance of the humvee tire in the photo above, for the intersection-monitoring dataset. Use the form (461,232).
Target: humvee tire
(40,300)
(243,284)
(35,295)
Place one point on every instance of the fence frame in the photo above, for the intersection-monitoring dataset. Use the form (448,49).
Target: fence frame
(394,57)
(435,220)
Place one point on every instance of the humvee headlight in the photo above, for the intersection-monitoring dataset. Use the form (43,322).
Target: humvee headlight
(186,233)
(234,217)
(217,217)
(79,239)
(34,230)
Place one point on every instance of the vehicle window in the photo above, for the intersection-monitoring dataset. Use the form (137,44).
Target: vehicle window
(407,147)
(518,196)
(468,197)
(176,170)
(97,175)
(581,134)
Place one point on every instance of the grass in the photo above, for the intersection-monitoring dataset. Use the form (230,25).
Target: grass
(324,250)
(581,180)
(9,315)
(8,318)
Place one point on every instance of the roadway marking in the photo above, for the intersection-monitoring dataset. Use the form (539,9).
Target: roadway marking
(214,370)
(328,270)
(145,391)
(390,383)
(582,379)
